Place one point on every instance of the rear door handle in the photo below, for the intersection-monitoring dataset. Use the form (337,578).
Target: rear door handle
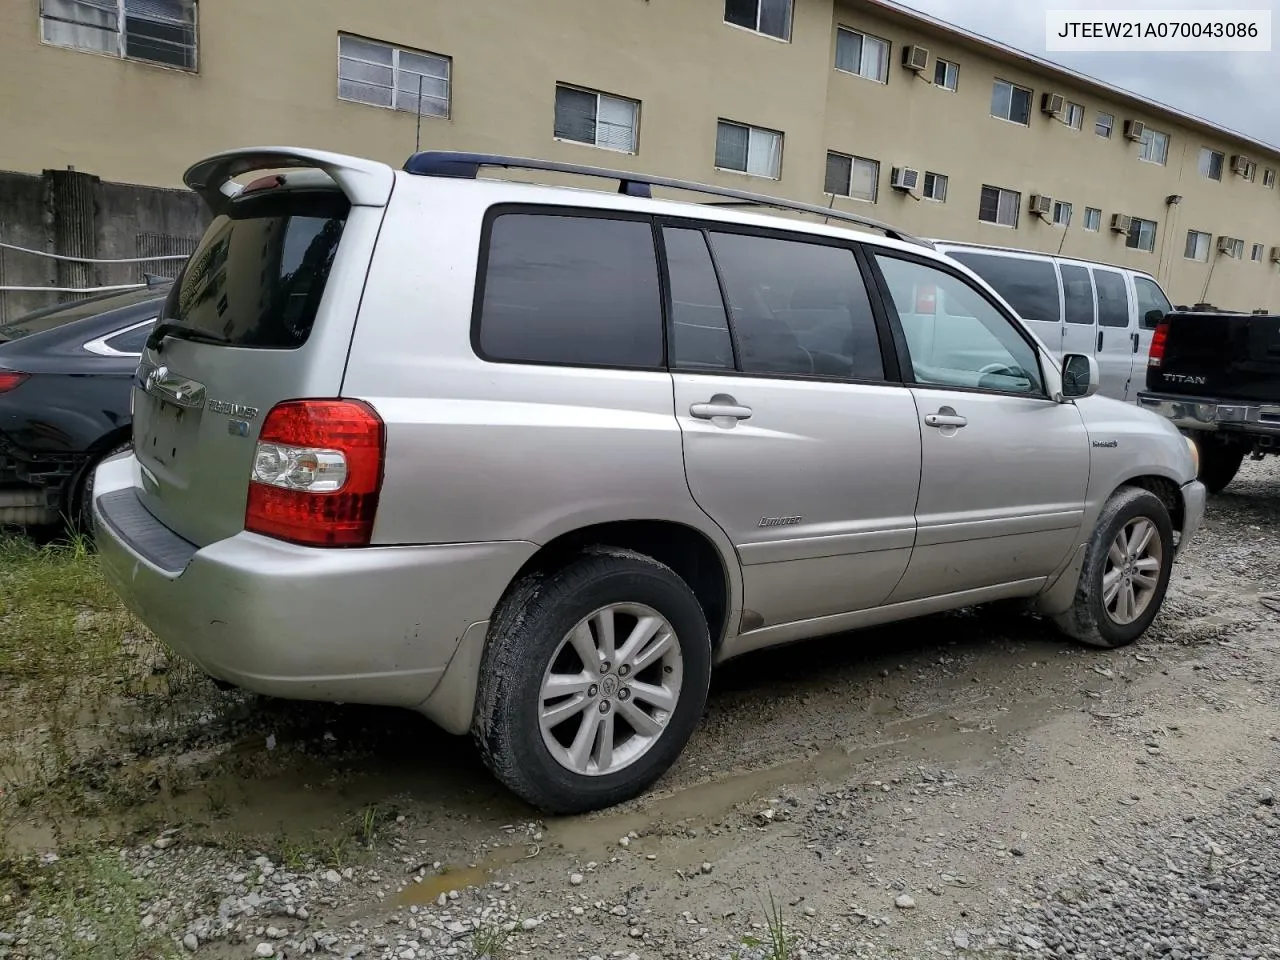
(1135,342)
(721,405)
(1099,339)
(945,420)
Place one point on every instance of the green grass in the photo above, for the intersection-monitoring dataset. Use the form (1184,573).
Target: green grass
(89,904)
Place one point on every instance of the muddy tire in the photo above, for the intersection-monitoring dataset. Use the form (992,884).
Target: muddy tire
(570,735)
(1125,573)
(79,507)
(1219,464)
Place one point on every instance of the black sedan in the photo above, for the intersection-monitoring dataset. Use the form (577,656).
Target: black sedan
(65,376)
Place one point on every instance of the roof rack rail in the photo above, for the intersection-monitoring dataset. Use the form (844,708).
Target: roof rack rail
(466,166)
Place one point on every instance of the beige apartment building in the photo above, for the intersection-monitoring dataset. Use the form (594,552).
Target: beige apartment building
(857,103)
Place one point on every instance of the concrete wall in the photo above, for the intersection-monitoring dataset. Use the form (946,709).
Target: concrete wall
(113,221)
(267,74)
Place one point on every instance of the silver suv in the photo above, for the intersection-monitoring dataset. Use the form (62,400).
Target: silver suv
(531,459)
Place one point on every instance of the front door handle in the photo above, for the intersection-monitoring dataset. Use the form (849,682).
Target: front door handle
(721,405)
(945,420)
(1135,343)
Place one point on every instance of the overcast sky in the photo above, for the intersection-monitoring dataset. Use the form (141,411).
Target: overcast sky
(1236,90)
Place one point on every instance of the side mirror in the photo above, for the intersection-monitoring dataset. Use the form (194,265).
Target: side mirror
(1079,376)
(1151,319)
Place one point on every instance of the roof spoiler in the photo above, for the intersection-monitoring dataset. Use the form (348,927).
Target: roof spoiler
(366,183)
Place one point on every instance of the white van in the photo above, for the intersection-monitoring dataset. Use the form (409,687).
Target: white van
(1076,306)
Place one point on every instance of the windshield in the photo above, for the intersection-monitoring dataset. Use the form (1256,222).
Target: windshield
(47,318)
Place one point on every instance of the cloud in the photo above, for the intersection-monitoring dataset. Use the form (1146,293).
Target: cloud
(1229,89)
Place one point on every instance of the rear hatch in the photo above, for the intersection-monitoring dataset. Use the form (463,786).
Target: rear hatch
(1217,356)
(263,311)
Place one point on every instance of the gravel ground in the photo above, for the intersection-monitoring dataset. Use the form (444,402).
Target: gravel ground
(967,785)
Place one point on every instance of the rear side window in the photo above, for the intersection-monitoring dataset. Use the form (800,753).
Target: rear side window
(1077,289)
(1113,299)
(130,341)
(1030,286)
(798,309)
(572,290)
(1150,299)
(699,328)
(258,275)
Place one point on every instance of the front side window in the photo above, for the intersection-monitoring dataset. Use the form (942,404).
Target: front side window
(855,177)
(1104,124)
(1142,235)
(1154,147)
(770,17)
(863,54)
(1197,247)
(1113,298)
(158,31)
(955,335)
(1092,219)
(1077,294)
(1011,102)
(598,119)
(1211,163)
(946,74)
(382,75)
(570,290)
(797,308)
(999,206)
(1029,285)
(1150,299)
(751,150)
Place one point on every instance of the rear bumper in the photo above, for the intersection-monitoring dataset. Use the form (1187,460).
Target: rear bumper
(372,625)
(1203,413)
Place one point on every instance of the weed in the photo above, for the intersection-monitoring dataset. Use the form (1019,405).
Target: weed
(489,942)
(778,943)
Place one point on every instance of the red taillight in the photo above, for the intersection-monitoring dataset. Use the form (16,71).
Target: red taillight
(317,471)
(10,379)
(1155,356)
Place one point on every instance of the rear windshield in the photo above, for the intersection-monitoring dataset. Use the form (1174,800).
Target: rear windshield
(1030,286)
(47,318)
(257,277)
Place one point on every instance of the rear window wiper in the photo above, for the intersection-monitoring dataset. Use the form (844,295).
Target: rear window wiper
(180,331)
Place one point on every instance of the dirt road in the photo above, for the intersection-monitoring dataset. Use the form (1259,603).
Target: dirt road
(963,785)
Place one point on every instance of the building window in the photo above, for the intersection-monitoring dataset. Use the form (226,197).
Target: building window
(1250,170)
(751,150)
(1197,247)
(1154,147)
(935,187)
(1061,213)
(1092,219)
(1256,254)
(1269,178)
(1103,125)
(382,75)
(1073,115)
(1211,163)
(997,205)
(157,31)
(770,17)
(946,74)
(599,119)
(1142,235)
(1011,102)
(1235,249)
(860,53)
(855,177)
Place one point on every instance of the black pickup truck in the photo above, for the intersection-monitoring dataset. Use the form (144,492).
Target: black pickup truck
(1216,375)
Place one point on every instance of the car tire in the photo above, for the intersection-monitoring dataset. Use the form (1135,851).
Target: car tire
(1098,616)
(1219,464)
(79,507)
(532,740)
